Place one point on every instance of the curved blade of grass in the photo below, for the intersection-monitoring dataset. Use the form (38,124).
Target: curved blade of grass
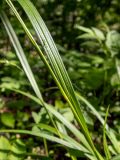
(105,145)
(70,140)
(109,132)
(57,67)
(23,60)
(51,109)
(94,111)
(20,54)
(66,137)
(114,141)
(42,135)
(53,56)
(35,44)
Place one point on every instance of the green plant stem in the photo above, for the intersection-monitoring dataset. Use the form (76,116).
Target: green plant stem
(46,147)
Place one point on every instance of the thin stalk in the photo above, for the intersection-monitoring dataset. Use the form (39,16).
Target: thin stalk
(46,147)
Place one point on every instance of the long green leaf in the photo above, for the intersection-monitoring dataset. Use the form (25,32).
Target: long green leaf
(54,57)
(23,60)
(52,54)
(105,145)
(65,137)
(20,53)
(94,111)
(109,131)
(42,135)
(58,68)
(51,109)
(61,81)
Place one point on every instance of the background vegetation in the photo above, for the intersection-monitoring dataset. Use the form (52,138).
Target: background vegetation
(87,36)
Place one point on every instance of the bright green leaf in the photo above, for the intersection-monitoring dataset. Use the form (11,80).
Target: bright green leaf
(8,119)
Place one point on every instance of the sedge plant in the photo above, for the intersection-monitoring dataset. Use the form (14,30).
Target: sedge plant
(52,60)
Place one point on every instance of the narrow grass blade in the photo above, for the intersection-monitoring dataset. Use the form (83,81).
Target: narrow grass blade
(109,131)
(23,60)
(54,58)
(65,137)
(20,53)
(112,136)
(94,111)
(42,135)
(105,145)
(56,66)
(58,116)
